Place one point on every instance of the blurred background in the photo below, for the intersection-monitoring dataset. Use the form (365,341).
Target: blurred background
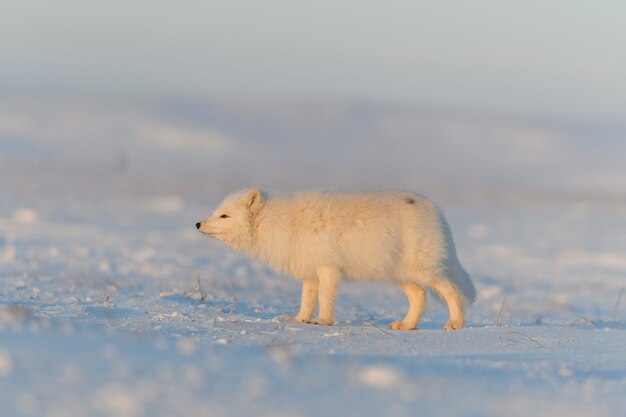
(157,97)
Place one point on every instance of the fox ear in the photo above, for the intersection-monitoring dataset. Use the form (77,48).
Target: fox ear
(254,199)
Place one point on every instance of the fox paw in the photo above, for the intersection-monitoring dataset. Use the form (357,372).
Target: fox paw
(298,319)
(454,325)
(324,322)
(400,325)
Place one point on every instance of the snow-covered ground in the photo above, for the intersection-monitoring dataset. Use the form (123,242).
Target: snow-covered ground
(111,303)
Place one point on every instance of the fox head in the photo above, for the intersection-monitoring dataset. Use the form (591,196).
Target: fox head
(233,221)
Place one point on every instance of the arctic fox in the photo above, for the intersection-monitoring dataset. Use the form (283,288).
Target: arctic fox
(319,238)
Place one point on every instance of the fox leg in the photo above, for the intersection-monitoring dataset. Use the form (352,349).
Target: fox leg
(309,301)
(329,278)
(451,294)
(417,303)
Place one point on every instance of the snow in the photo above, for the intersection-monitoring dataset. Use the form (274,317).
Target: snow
(111,303)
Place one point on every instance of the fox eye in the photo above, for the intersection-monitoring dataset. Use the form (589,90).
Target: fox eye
(224,216)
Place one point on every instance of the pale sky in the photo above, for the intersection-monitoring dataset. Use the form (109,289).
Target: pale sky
(556,58)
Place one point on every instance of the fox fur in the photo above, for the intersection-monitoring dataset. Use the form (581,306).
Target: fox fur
(321,238)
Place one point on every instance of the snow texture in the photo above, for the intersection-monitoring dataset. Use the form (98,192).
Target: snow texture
(112,304)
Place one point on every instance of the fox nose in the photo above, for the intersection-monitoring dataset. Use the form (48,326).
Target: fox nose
(197,225)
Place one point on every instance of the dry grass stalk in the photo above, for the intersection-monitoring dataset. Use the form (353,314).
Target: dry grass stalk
(203,296)
(500,311)
(616,308)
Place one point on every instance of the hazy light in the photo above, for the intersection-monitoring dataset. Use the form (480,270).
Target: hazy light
(558,58)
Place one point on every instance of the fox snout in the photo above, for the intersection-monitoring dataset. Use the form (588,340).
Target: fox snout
(198,226)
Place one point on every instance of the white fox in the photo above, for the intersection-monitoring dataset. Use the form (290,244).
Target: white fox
(320,238)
